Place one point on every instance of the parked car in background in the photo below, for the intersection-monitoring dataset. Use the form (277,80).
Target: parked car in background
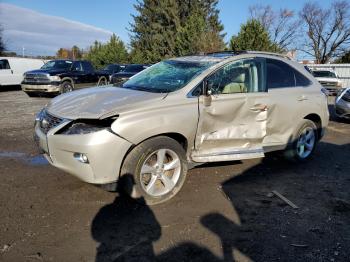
(12,69)
(329,80)
(126,73)
(62,76)
(342,103)
(112,69)
(180,112)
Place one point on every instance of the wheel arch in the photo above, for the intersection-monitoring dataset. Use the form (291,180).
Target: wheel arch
(318,122)
(67,79)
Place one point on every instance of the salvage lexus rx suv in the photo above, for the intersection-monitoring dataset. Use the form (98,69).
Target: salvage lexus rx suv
(181,112)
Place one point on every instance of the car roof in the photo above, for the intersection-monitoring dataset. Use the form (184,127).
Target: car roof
(216,57)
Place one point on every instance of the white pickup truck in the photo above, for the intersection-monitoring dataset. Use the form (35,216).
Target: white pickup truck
(12,69)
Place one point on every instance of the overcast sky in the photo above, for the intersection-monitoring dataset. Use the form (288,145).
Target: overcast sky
(43,26)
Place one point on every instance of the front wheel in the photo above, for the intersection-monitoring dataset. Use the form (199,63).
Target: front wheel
(66,87)
(102,81)
(304,143)
(155,170)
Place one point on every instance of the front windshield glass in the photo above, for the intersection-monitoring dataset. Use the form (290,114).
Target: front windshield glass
(166,76)
(57,64)
(324,74)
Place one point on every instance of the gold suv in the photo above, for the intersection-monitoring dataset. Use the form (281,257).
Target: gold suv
(181,112)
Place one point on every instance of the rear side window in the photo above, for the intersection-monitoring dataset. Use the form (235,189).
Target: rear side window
(4,64)
(77,66)
(281,75)
(87,67)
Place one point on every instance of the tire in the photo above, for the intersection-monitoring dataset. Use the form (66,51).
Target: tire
(142,180)
(102,81)
(304,143)
(66,87)
(31,94)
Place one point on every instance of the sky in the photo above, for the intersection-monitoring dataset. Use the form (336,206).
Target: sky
(41,27)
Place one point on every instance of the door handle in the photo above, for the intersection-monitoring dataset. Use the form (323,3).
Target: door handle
(259,107)
(302,98)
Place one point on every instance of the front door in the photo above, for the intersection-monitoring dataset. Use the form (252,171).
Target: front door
(234,125)
(6,74)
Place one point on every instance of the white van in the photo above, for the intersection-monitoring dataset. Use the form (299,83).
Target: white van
(12,69)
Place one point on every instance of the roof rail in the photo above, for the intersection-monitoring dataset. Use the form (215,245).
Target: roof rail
(231,52)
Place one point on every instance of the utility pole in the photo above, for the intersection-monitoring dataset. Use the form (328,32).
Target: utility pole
(23,51)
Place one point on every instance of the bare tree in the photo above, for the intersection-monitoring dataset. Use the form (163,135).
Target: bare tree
(283,26)
(328,30)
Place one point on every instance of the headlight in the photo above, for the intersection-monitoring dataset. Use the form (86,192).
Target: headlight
(87,126)
(54,78)
(39,116)
(339,84)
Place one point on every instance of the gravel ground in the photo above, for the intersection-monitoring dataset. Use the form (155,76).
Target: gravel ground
(225,212)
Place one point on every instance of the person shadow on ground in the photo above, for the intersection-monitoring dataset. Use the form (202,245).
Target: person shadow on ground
(125,230)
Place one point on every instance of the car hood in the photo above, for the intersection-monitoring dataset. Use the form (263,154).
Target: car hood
(100,102)
(327,79)
(47,71)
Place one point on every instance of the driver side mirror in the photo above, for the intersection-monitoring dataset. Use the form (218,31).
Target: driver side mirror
(207,98)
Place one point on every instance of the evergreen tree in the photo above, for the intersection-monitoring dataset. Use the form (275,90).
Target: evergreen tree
(114,51)
(253,36)
(2,45)
(173,27)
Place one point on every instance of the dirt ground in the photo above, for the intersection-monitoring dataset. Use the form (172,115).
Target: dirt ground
(225,212)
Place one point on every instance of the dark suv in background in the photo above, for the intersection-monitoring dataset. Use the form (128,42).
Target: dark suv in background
(129,71)
(61,76)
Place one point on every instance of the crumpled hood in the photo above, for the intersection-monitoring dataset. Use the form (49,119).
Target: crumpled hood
(97,102)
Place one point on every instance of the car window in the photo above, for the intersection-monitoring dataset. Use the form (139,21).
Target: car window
(324,74)
(300,79)
(4,64)
(77,67)
(243,76)
(279,74)
(87,67)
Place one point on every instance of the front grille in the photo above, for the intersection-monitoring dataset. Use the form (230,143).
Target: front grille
(328,84)
(49,121)
(36,78)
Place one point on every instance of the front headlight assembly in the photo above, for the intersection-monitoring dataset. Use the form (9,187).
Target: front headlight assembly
(87,126)
(54,78)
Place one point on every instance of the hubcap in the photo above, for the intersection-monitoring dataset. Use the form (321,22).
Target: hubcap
(306,142)
(67,88)
(160,172)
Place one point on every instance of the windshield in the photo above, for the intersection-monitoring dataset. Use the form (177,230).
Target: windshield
(166,76)
(57,64)
(324,74)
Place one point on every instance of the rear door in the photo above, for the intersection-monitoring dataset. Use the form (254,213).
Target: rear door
(234,125)
(288,88)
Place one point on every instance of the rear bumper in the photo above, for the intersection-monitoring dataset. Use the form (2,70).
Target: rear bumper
(105,152)
(47,88)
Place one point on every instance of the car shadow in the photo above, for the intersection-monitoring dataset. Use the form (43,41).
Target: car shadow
(270,229)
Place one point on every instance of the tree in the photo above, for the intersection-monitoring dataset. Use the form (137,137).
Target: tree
(170,28)
(283,26)
(328,30)
(63,53)
(344,58)
(253,36)
(2,45)
(76,53)
(114,51)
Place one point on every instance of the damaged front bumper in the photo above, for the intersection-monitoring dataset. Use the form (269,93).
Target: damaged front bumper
(93,158)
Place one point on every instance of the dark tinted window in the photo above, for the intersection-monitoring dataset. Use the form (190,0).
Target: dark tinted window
(279,74)
(134,68)
(301,80)
(77,66)
(87,67)
(4,64)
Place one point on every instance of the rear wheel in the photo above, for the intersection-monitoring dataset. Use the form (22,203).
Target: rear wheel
(66,87)
(304,143)
(102,81)
(155,170)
